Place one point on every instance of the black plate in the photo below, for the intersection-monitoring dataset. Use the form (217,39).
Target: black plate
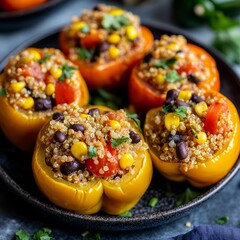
(23,18)
(15,166)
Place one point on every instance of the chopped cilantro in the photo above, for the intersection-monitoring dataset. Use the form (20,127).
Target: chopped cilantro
(84,53)
(45,58)
(3,92)
(167,108)
(91,236)
(92,151)
(43,234)
(165,64)
(222,220)
(118,141)
(126,214)
(194,131)
(181,111)
(135,118)
(85,29)
(153,202)
(110,22)
(173,76)
(186,196)
(22,235)
(66,71)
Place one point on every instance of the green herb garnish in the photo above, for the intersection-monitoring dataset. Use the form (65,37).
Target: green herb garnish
(181,111)
(186,196)
(165,64)
(222,220)
(194,131)
(43,234)
(66,72)
(135,118)
(91,236)
(45,58)
(118,141)
(92,151)
(85,29)
(22,235)
(110,22)
(3,92)
(126,214)
(84,53)
(153,202)
(167,108)
(173,76)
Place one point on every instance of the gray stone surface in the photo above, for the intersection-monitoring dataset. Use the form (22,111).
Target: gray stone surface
(16,214)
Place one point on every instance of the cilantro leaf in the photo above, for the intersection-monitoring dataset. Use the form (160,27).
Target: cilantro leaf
(45,58)
(3,92)
(85,29)
(84,53)
(118,141)
(135,118)
(186,196)
(181,111)
(92,151)
(167,108)
(22,235)
(173,76)
(91,236)
(153,202)
(110,22)
(43,234)
(66,71)
(165,64)
(222,220)
(126,214)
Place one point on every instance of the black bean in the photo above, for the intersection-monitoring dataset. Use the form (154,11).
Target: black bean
(41,104)
(147,58)
(58,116)
(100,48)
(96,8)
(181,149)
(193,78)
(94,111)
(176,138)
(179,103)
(69,167)
(59,136)
(179,51)
(134,136)
(171,96)
(78,127)
(195,98)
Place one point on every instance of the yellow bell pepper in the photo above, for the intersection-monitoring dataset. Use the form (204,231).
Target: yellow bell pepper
(211,170)
(112,197)
(20,126)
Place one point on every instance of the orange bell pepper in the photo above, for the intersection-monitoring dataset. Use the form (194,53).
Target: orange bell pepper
(143,96)
(211,170)
(20,127)
(13,5)
(112,197)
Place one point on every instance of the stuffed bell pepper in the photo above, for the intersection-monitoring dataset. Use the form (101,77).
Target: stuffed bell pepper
(105,42)
(91,159)
(33,82)
(173,63)
(194,137)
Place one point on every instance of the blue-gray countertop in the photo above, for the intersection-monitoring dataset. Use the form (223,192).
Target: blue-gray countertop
(16,214)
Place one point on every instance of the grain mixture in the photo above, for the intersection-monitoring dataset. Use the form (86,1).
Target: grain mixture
(33,79)
(83,144)
(171,64)
(176,132)
(103,34)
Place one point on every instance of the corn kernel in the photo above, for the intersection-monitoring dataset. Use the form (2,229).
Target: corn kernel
(172,46)
(200,138)
(131,32)
(50,89)
(116,12)
(115,124)
(126,161)
(76,27)
(28,103)
(184,95)
(56,72)
(84,115)
(26,59)
(17,86)
(201,108)
(172,121)
(78,149)
(113,52)
(114,38)
(35,54)
(160,78)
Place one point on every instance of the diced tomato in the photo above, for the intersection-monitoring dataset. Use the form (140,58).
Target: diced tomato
(187,68)
(91,40)
(64,93)
(33,70)
(213,115)
(111,165)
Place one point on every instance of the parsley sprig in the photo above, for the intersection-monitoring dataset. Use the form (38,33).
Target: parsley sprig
(178,110)
(118,141)
(45,58)
(84,53)
(92,151)
(173,77)
(66,71)
(110,22)
(165,64)
(43,233)
(222,220)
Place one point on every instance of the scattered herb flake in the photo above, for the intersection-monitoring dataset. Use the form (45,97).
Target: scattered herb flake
(85,29)
(45,58)
(22,235)
(66,72)
(3,92)
(181,111)
(222,220)
(110,22)
(153,202)
(92,151)
(167,108)
(186,196)
(173,76)
(135,118)
(165,64)
(43,234)
(91,236)
(126,214)
(118,141)
(84,53)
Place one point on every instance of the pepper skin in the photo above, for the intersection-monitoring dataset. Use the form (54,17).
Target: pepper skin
(13,5)
(112,198)
(22,129)
(211,170)
(143,96)
(113,74)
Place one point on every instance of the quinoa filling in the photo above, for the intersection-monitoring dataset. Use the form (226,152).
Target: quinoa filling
(176,132)
(85,144)
(103,34)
